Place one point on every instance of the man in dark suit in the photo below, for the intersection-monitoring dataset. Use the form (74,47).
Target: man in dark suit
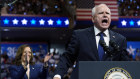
(84,45)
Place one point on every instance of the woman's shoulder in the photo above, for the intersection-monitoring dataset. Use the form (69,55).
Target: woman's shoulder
(37,65)
(16,67)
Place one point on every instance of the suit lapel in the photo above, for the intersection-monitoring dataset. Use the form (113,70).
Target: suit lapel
(112,37)
(31,70)
(25,76)
(92,41)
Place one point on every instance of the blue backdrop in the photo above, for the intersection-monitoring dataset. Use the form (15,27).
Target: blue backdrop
(11,48)
(133,47)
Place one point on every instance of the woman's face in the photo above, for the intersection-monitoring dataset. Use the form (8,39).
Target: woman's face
(26,55)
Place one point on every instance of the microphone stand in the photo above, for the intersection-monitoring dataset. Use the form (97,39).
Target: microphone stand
(106,48)
(117,48)
(26,61)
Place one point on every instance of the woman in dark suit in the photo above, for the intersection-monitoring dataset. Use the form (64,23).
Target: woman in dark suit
(25,68)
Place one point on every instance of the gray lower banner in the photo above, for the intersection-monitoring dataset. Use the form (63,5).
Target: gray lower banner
(109,70)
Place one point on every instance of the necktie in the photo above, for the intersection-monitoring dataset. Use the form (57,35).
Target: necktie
(100,48)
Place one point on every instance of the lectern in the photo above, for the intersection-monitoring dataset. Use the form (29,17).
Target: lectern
(109,70)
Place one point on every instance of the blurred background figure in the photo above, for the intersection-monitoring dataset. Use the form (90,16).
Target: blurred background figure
(137,54)
(25,68)
(129,7)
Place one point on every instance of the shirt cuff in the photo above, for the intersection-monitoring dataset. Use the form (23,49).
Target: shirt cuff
(58,76)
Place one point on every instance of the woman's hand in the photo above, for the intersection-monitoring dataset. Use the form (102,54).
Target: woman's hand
(47,57)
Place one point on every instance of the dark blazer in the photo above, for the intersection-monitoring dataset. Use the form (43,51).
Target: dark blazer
(36,72)
(82,47)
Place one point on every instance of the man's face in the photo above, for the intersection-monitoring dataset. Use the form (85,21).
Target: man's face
(102,17)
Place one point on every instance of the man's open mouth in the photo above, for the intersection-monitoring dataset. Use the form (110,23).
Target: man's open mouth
(104,21)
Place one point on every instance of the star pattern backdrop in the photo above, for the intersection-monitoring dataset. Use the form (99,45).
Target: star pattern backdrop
(133,47)
(8,21)
(129,23)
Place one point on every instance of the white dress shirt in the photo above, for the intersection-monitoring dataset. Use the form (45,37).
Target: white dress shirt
(106,37)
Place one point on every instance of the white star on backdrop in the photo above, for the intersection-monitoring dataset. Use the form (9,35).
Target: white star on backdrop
(15,21)
(67,22)
(24,22)
(131,50)
(41,22)
(138,23)
(123,23)
(50,22)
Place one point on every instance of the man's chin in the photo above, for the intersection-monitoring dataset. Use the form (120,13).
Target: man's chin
(103,28)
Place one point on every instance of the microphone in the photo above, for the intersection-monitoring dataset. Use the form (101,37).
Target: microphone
(105,47)
(116,47)
(117,50)
(26,61)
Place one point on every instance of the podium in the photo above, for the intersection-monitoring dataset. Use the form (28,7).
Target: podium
(109,70)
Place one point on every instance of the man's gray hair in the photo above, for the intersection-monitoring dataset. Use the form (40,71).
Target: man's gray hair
(94,9)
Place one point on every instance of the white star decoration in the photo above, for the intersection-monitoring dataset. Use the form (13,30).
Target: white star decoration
(131,50)
(50,22)
(36,22)
(41,22)
(67,22)
(24,22)
(123,23)
(138,23)
(15,21)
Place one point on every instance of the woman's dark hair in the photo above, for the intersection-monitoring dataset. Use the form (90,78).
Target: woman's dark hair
(19,53)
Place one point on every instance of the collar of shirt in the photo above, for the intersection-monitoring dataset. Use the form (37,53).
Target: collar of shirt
(97,31)
(106,37)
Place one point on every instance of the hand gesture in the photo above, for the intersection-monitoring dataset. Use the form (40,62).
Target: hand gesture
(47,57)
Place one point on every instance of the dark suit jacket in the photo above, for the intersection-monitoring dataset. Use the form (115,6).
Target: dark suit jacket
(36,72)
(82,47)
